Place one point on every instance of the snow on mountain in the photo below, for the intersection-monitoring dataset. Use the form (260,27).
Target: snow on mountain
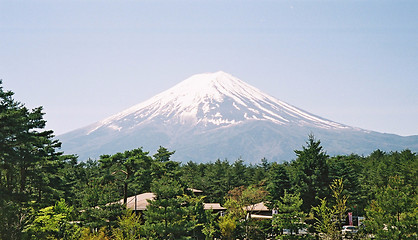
(213,99)
(215,115)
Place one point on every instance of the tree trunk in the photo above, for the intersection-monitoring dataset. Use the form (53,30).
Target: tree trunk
(22,179)
(125,192)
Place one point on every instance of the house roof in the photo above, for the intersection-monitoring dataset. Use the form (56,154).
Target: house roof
(213,206)
(141,201)
(258,207)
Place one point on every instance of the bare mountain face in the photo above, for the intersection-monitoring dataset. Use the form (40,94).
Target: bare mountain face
(217,116)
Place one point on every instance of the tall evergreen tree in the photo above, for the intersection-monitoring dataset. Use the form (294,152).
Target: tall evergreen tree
(193,174)
(29,163)
(310,176)
(348,168)
(277,182)
(289,216)
(163,166)
(168,216)
(124,167)
(217,178)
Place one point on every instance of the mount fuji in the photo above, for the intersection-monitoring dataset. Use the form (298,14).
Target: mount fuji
(214,116)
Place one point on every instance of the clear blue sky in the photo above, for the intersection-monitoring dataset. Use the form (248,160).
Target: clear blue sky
(354,62)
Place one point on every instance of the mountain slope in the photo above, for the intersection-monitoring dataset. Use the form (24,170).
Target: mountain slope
(215,115)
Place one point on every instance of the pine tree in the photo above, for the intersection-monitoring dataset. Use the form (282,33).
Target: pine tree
(310,174)
(289,216)
(29,163)
(168,216)
(278,182)
(163,166)
(125,167)
(394,213)
(328,219)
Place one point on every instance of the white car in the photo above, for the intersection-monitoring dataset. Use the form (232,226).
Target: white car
(348,229)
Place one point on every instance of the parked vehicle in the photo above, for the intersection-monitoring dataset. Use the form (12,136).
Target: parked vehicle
(348,230)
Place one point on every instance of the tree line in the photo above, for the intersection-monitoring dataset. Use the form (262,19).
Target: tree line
(46,194)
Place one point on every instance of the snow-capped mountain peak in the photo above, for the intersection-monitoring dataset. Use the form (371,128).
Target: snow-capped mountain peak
(213,116)
(212,100)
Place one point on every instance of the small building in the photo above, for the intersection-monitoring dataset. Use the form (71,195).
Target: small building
(140,202)
(215,207)
(258,211)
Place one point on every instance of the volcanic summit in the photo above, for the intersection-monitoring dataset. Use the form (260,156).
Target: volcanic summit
(214,116)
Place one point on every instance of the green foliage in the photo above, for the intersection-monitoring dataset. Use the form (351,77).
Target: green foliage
(93,192)
(163,166)
(329,219)
(380,166)
(124,167)
(193,174)
(278,182)
(340,205)
(235,208)
(310,173)
(102,216)
(88,234)
(217,180)
(394,213)
(28,159)
(46,224)
(128,227)
(53,222)
(12,219)
(289,216)
(29,165)
(210,226)
(204,220)
(240,202)
(242,199)
(246,196)
(349,168)
(324,220)
(227,225)
(169,215)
